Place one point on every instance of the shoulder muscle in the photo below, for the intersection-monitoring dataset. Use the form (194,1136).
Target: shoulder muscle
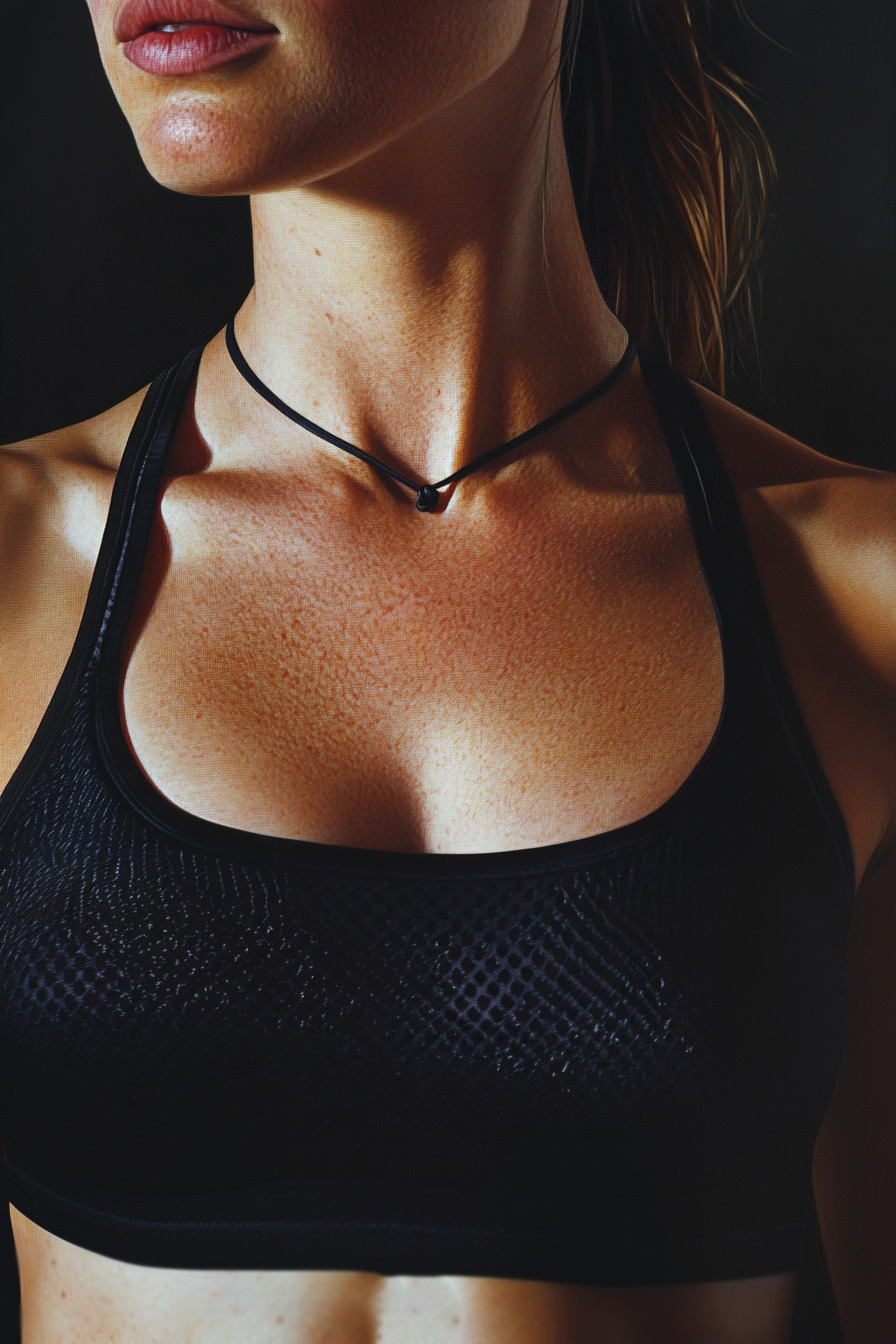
(829,534)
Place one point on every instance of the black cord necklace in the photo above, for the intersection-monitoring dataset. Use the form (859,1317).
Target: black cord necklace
(427,495)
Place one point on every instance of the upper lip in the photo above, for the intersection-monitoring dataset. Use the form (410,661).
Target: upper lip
(136,17)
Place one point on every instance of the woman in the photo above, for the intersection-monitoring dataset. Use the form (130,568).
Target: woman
(429,923)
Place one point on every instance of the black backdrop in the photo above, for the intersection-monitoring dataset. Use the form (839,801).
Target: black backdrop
(106,278)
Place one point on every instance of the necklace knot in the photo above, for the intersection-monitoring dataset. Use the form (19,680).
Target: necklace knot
(427,498)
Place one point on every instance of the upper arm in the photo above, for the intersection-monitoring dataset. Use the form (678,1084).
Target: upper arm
(859,535)
(22,509)
(854,1170)
(20,505)
(857,551)
(24,537)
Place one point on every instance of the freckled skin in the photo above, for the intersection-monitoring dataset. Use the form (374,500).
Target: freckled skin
(389,151)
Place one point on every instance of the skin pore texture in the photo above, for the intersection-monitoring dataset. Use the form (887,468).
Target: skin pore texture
(423,293)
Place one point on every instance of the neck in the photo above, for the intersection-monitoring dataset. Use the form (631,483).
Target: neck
(432,305)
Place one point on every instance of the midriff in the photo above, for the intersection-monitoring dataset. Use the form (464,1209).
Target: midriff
(73,1296)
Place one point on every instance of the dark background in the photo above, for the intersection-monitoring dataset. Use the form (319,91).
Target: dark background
(106,278)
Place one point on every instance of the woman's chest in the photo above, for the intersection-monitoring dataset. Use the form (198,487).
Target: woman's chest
(528,686)
(516,695)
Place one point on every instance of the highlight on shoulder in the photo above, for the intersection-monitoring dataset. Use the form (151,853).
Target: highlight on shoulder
(52,484)
(756,453)
(828,528)
(55,490)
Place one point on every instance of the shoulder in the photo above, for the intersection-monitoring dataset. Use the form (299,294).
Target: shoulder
(56,485)
(98,440)
(842,516)
(55,490)
(823,531)
(759,455)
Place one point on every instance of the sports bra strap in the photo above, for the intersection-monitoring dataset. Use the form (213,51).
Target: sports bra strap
(142,463)
(133,495)
(733,578)
(706,488)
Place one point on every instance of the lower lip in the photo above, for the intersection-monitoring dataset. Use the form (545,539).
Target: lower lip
(191,50)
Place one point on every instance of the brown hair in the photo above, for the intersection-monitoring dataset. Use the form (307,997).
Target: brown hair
(670,171)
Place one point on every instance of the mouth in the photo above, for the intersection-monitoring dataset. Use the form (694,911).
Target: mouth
(136,18)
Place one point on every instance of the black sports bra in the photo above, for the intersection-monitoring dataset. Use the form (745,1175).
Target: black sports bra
(603,1061)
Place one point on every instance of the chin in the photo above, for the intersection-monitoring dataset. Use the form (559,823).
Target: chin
(207,145)
(206,148)
(192,146)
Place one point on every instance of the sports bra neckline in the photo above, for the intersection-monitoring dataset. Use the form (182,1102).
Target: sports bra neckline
(192,828)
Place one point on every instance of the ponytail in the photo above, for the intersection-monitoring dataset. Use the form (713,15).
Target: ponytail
(670,171)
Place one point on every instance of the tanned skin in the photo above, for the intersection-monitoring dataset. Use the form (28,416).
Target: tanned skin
(402,300)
